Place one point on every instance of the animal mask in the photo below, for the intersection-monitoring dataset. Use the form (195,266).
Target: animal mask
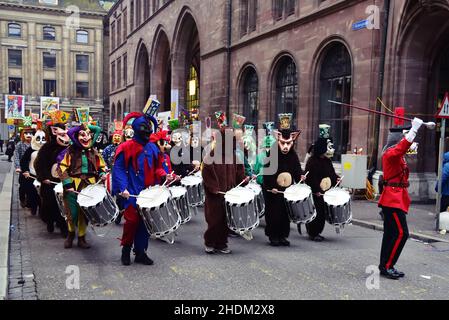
(286,139)
(38,140)
(61,135)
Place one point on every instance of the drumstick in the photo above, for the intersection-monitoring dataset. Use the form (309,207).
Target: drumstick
(48,180)
(166,179)
(305,176)
(341,179)
(276,192)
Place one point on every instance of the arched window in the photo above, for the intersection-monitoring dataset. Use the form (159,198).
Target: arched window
(286,87)
(335,84)
(14,30)
(82,36)
(49,33)
(113,115)
(119,111)
(251,96)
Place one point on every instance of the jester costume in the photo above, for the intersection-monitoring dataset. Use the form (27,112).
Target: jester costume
(137,166)
(45,166)
(81,165)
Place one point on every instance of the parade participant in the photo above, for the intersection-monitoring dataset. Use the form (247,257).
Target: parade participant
(136,168)
(321,177)
(180,156)
(25,142)
(162,140)
(101,142)
(80,166)
(28,171)
(45,166)
(289,171)
(128,132)
(10,147)
(109,151)
(395,200)
(220,174)
(267,143)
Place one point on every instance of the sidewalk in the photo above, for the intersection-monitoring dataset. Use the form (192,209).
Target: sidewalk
(421,220)
(6,176)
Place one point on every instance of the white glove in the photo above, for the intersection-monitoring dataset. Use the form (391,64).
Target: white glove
(416,124)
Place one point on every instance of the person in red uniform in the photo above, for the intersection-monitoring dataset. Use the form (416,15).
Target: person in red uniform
(395,200)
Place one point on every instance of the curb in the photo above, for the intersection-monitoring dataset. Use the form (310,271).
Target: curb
(413,235)
(5,222)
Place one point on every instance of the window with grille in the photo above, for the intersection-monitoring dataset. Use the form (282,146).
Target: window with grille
(287,87)
(15,85)
(49,88)
(14,58)
(251,96)
(248,16)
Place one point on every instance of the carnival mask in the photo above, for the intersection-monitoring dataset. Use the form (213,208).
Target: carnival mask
(176,138)
(116,139)
(144,132)
(85,138)
(61,135)
(28,136)
(38,140)
(195,142)
(129,134)
(330,149)
(285,144)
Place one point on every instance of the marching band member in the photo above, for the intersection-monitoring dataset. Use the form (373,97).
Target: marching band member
(220,173)
(28,171)
(80,166)
(395,200)
(136,168)
(109,151)
(45,166)
(321,178)
(288,171)
(25,142)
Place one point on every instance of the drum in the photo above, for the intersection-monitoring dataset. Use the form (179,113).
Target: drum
(195,190)
(37,185)
(179,203)
(159,217)
(299,202)
(260,201)
(98,205)
(59,193)
(338,204)
(241,212)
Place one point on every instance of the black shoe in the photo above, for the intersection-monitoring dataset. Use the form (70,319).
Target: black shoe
(399,273)
(50,227)
(317,238)
(274,242)
(389,273)
(126,255)
(143,259)
(284,242)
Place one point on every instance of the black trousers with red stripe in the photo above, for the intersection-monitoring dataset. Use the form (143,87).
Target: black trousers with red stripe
(395,236)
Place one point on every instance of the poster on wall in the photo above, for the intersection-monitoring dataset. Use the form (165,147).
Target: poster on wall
(49,104)
(14,106)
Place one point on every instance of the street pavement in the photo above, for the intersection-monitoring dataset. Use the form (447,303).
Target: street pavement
(333,269)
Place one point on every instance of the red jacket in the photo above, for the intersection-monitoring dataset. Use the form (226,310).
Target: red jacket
(395,168)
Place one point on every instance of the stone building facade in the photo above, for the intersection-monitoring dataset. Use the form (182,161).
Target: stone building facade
(260,58)
(53,47)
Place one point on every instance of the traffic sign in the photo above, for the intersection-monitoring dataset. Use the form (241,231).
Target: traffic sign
(443,112)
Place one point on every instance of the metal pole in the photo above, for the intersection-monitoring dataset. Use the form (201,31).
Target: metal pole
(440,172)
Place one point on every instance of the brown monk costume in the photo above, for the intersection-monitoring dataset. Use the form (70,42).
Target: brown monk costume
(219,177)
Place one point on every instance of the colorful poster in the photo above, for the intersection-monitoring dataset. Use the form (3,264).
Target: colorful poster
(82,115)
(14,106)
(49,104)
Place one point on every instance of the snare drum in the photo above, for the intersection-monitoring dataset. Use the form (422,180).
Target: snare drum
(299,202)
(260,201)
(59,194)
(241,210)
(338,203)
(159,217)
(98,205)
(195,190)
(179,203)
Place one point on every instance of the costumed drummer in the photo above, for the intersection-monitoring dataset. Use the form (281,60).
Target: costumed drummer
(288,171)
(321,177)
(221,173)
(81,165)
(25,142)
(395,200)
(136,168)
(45,166)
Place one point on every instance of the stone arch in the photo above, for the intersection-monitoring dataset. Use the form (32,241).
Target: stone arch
(161,69)
(142,75)
(119,111)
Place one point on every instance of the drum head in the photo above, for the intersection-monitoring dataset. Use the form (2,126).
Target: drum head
(59,188)
(336,197)
(255,187)
(239,195)
(153,197)
(91,195)
(191,181)
(177,191)
(297,192)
